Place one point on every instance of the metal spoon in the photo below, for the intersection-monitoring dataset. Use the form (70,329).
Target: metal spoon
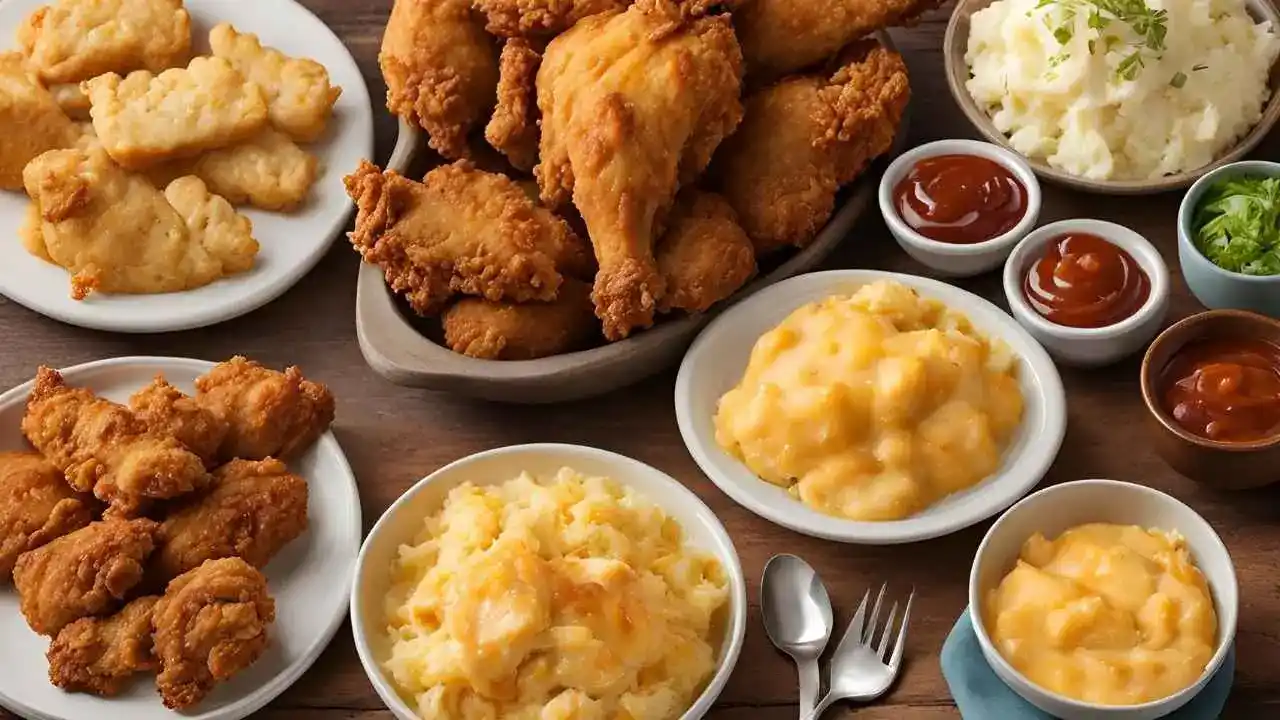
(797,618)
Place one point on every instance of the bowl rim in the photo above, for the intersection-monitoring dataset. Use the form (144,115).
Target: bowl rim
(1005,157)
(726,553)
(1149,376)
(1227,633)
(1127,239)
(1187,208)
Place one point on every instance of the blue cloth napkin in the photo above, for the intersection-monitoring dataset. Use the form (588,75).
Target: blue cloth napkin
(980,695)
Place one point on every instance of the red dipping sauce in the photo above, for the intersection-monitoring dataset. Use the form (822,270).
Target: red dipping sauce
(1225,389)
(961,199)
(1084,281)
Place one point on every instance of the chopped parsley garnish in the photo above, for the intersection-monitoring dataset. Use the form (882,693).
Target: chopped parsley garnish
(1237,224)
(1148,25)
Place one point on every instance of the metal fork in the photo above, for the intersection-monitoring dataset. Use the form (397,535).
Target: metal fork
(859,670)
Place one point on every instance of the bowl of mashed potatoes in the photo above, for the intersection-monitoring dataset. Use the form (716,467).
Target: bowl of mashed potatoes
(1103,600)
(548,581)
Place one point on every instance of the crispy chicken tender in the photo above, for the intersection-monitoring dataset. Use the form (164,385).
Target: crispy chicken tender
(441,69)
(705,255)
(103,447)
(87,572)
(211,623)
(74,40)
(299,96)
(268,171)
(513,129)
(31,118)
(461,230)
(101,655)
(226,235)
(509,331)
(165,409)
(633,105)
(269,413)
(540,18)
(804,138)
(36,506)
(144,119)
(252,510)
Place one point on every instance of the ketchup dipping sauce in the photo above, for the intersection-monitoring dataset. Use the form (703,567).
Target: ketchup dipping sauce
(1084,281)
(1225,389)
(960,199)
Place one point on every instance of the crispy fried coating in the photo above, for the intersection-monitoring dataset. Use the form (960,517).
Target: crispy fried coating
(540,18)
(103,447)
(633,105)
(441,69)
(805,137)
(513,129)
(165,409)
(74,40)
(705,255)
(31,235)
(269,413)
(144,119)
(211,623)
(460,230)
(225,235)
(101,655)
(31,119)
(268,171)
(87,572)
(299,96)
(36,506)
(510,331)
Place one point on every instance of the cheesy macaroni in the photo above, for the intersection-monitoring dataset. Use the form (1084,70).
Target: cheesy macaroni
(1108,614)
(872,406)
(570,598)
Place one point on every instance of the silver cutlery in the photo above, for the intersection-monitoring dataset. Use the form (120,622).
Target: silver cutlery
(797,619)
(861,670)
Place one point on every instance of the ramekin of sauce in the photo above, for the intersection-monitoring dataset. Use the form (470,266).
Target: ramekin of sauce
(959,206)
(1090,291)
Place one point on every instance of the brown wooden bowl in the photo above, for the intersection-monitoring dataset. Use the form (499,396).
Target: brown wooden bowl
(1226,465)
(956,42)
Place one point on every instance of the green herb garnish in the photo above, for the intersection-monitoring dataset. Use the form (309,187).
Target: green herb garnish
(1148,25)
(1237,225)
(1178,80)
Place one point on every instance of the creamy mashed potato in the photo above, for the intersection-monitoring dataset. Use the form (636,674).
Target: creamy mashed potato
(872,406)
(1108,614)
(1070,104)
(565,598)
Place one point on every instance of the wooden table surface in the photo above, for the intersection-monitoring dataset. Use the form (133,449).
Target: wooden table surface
(393,436)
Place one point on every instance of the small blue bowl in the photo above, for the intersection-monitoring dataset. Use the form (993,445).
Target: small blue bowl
(1214,287)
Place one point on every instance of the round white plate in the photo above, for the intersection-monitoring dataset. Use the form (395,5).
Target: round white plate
(717,359)
(292,243)
(310,579)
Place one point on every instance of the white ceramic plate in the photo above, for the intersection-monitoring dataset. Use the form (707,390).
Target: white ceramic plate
(309,579)
(404,518)
(717,359)
(292,243)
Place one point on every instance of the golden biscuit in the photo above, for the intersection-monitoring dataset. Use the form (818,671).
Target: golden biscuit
(74,40)
(269,171)
(224,233)
(72,100)
(31,120)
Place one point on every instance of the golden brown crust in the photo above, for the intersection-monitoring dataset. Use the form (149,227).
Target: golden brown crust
(508,331)
(540,18)
(101,655)
(31,118)
(513,129)
(36,506)
(165,409)
(704,255)
(74,40)
(268,413)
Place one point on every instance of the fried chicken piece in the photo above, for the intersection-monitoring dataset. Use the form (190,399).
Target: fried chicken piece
(144,119)
(103,447)
(87,572)
(705,255)
(30,234)
(441,69)
(31,118)
(101,655)
(513,129)
(509,331)
(268,171)
(225,235)
(252,510)
(461,230)
(166,410)
(633,105)
(299,96)
(36,506)
(211,623)
(782,36)
(804,138)
(540,18)
(74,40)
(269,413)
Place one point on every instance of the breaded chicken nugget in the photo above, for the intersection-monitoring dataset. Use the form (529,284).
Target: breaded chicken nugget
(268,171)
(100,655)
(299,96)
(165,409)
(509,331)
(705,255)
(36,506)
(74,40)
(31,119)
(87,572)
(513,129)
(270,414)
(226,235)
(144,119)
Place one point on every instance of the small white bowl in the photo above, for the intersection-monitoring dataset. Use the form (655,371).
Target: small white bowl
(719,356)
(1090,347)
(405,517)
(953,259)
(1056,509)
